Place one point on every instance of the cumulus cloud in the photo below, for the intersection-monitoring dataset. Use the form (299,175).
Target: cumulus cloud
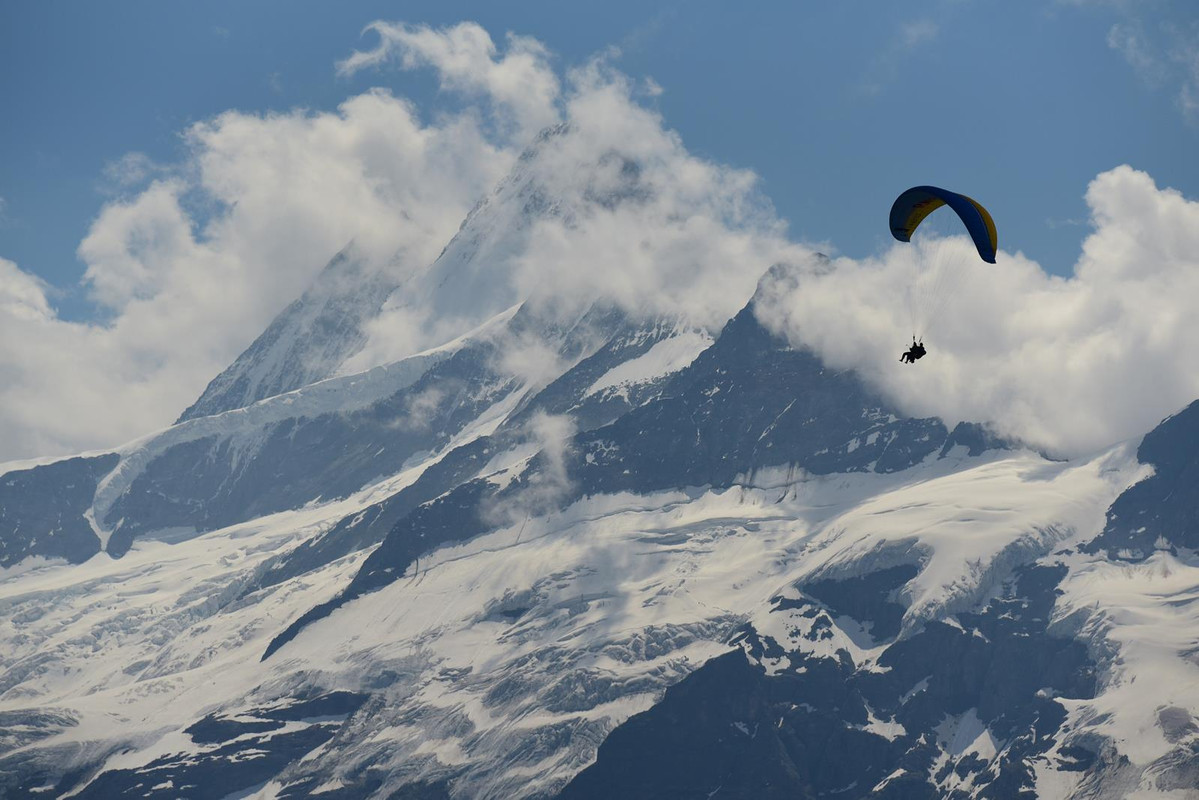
(651,227)
(191,267)
(607,207)
(519,82)
(1067,364)
(186,271)
(22,296)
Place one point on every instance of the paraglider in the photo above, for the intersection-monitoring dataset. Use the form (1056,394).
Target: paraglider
(911,207)
(937,264)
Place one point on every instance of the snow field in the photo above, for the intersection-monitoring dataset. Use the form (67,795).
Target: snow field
(573,621)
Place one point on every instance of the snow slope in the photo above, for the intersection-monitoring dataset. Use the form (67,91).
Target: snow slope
(499,666)
(308,340)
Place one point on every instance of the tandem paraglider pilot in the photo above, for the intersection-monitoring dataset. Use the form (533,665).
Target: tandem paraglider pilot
(914,353)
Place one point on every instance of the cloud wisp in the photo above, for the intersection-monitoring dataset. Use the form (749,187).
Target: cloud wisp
(519,82)
(1165,53)
(541,490)
(909,37)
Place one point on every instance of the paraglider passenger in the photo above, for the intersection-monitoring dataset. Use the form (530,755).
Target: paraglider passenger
(915,352)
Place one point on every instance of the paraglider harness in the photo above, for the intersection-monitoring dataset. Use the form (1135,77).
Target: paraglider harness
(913,354)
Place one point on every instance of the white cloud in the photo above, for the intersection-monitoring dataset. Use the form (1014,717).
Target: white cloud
(520,82)
(541,490)
(631,218)
(1165,53)
(132,247)
(192,267)
(652,227)
(1066,364)
(22,296)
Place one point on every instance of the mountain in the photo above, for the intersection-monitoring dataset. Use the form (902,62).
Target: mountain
(307,342)
(316,335)
(573,551)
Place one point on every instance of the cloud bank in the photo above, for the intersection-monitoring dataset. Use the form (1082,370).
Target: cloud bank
(189,262)
(186,270)
(1067,364)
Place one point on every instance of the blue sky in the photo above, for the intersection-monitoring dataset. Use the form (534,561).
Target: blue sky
(837,106)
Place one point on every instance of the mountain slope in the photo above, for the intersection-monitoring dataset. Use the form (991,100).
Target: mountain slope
(307,341)
(1162,511)
(45,510)
(748,401)
(514,655)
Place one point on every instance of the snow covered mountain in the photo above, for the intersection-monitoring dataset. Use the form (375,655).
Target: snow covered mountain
(307,342)
(469,282)
(586,553)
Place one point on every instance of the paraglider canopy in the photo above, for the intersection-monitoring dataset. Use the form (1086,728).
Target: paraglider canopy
(911,207)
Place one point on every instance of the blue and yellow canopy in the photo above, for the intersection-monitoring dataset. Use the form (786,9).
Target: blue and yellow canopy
(911,207)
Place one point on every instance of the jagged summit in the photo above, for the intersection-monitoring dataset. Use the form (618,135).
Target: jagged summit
(307,341)
(472,280)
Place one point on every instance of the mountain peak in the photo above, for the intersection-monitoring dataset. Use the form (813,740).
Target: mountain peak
(307,341)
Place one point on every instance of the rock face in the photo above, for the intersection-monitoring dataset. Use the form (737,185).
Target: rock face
(43,510)
(747,402)
(1162,511)
(954,711)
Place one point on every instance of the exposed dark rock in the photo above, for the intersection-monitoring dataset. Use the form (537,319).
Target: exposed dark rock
(42,510)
